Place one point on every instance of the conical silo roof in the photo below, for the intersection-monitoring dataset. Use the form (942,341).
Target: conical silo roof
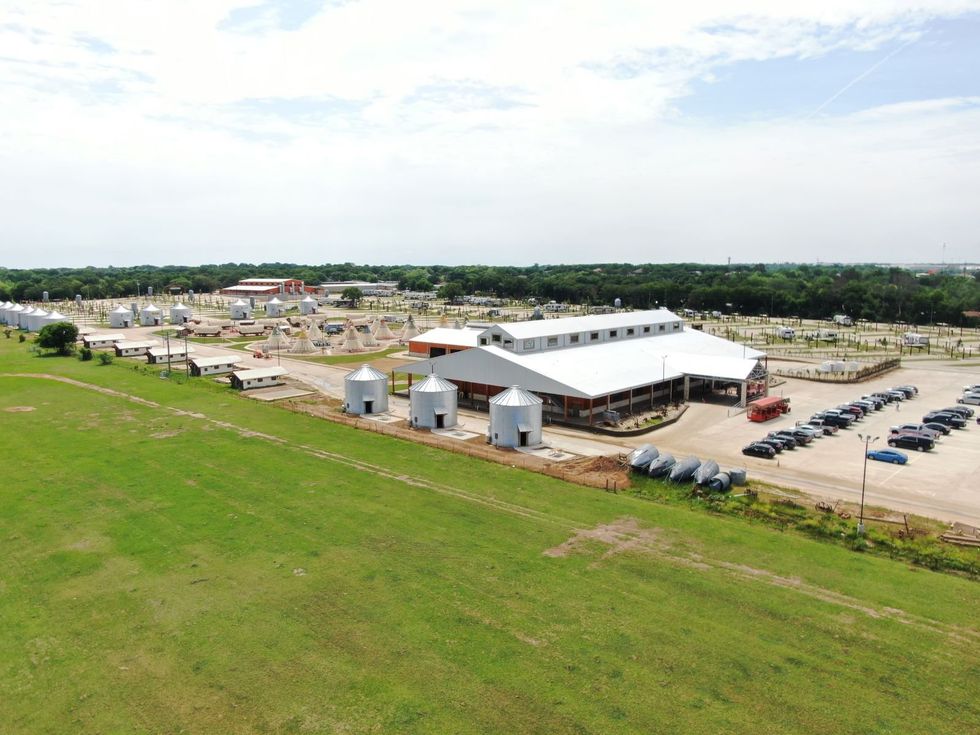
(239,302)
(121,310)
(150,308)
(56,316)
(365,373)
(433,384)
(515,396)
(273,300)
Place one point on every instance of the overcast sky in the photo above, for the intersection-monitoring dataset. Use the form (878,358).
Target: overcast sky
(498,131)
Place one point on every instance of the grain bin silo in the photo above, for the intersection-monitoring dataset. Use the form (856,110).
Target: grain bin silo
(433,403)
(12,314)
(180,314)
(274,307)
(23,317)
(120,317)
(365,391)
(3,311)
(240,310)
(151,316)
(309,305)
(54,317)
(36,320)
(515,418)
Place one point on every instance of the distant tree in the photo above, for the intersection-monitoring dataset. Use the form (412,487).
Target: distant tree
(59,336)
(451,291)
(352,293)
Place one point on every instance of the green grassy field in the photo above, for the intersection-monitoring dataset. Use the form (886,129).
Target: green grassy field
(195,562)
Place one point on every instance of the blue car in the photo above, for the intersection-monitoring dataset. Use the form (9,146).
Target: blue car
(888,455)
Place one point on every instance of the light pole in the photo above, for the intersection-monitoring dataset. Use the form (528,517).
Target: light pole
(867,440)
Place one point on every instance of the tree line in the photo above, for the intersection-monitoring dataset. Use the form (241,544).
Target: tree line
(808,291)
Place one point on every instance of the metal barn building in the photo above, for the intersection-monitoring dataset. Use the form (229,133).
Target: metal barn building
(515,418)
(433,403)
(594,368)
(365,391)
(101,341)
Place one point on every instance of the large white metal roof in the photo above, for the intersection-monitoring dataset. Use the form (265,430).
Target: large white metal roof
(449,336)
(174,350)
(598,370)
(125,344)
(110,337)
(591,323)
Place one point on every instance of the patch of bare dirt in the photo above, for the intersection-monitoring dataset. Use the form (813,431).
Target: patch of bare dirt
(19,409)
(166,434)
(622,535)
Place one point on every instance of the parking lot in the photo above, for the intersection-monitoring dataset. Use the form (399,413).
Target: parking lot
(942,483)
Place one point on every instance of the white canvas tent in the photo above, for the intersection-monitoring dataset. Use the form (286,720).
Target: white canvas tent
(302,345)
(409,331)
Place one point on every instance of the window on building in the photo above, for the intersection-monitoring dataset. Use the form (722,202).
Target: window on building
(529,344)
(677,325)
(495,337)
(483,340)
(552,341)
(573,339)
(508,343)
(646,330)
(613,333)
(593,336)
(661,328)
(630,332)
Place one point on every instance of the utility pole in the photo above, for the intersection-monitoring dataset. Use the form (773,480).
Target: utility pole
(867,440)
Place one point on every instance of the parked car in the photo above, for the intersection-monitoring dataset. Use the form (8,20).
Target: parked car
(936,426)
(868,406)
(964,411)
(758,449)
(857,411)
(972,399)
(888,455)
(837,417)
(875,399)
(825,427)
(788,440)
(813,432)
(897,395)
(774,443)
(915,429)
(911,441)
(801,435)
(885,396)
(975,388)
(910,391)
(943,417)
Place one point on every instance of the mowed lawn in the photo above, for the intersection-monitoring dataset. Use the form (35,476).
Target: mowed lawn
(170,572)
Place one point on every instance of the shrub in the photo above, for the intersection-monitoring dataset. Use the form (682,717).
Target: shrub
(105,358)
(85,354)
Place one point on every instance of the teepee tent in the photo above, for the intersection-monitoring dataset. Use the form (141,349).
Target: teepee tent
(383,332)
(368,340)
(277,341)
(409,331)
(302,344)
(315,335)
(351,341)
(373,328)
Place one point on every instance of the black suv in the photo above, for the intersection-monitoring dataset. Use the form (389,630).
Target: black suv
(942,417)
(911,441)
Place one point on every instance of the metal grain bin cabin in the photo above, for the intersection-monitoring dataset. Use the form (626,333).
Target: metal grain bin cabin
(433,403)
(23,317)
(54,317)
(241,310)
(151,316)
(120,317)
(13,313)
(36,320)
(308,305)
(274,307)
(515,418)
(180,314)
(365,391)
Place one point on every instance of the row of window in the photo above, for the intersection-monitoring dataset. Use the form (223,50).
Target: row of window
(574,339)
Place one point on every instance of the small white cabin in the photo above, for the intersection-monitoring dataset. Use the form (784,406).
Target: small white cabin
(132,348)
(101,341)
(258,378)
(161,356)
(213,365)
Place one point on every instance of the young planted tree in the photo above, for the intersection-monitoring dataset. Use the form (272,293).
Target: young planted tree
(59,336)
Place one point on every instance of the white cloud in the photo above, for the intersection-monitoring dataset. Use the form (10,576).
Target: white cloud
(465,132)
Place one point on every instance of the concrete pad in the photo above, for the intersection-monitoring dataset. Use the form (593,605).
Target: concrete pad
(552,454)
(275,394)
(455,433)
